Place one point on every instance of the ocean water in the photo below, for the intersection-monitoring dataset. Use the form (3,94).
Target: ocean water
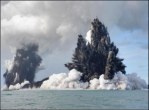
(74,99)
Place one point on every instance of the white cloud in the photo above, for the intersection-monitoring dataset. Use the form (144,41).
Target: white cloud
(53,23)
(56,24)
(27,24)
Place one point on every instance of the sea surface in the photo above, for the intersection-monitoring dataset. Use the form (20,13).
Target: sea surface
(74,99)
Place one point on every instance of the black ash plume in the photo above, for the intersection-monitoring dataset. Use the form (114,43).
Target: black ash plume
(24,66)
(99,56)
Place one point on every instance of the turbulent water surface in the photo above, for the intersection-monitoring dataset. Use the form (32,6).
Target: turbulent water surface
(74,99)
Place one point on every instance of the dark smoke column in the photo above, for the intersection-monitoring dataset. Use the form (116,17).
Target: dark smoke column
(24,66)
(97,56)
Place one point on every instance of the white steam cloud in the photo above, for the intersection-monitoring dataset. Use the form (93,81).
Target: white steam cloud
(72,81)
(16,86)
(88,36)
(63,81)
(55,24)
(9,64)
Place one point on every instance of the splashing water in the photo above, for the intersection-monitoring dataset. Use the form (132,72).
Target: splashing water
(63,81)
(72,81)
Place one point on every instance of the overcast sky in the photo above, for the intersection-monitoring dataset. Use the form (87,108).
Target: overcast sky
(55,26)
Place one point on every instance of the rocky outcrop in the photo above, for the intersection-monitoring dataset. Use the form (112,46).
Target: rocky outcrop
(35,84)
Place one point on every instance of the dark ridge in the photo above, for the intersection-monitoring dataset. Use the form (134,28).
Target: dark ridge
(35,84)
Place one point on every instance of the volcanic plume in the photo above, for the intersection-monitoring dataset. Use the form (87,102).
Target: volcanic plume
(96,55)
(23,66)
(95,65)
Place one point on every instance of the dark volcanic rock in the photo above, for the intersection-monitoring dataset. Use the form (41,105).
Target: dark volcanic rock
(35,84)
(97,57)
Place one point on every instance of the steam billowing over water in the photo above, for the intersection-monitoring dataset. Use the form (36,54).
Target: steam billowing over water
(71,80)
(95,65)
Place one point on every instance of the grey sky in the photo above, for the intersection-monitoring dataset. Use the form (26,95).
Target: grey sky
(54,25)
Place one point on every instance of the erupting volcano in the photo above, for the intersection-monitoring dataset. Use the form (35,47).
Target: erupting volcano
(95,65)
(96,55)
(23,66)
